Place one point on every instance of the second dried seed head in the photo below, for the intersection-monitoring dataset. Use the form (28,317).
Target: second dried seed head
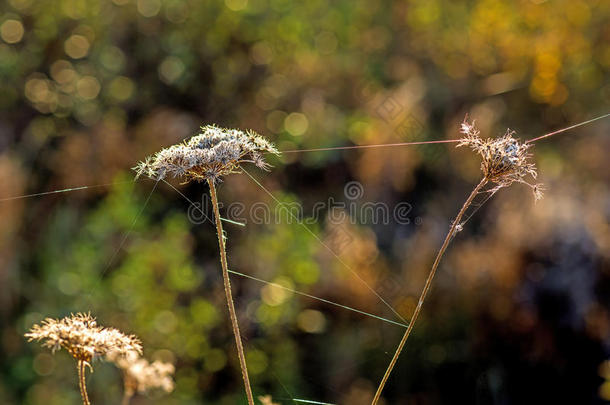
(505,160)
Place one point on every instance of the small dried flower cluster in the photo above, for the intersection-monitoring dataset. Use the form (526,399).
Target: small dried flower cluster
(213,153)
(504,160)
(266,400)
(142,376)
(81,336)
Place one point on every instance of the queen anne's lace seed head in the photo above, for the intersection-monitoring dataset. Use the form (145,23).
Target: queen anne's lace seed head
(142,376)
(213,153)
(504,160)
(266,400)
(81,336)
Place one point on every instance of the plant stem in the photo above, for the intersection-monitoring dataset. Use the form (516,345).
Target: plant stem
(229,295)
(424,292)
(130,385)
(82,383)
(127,395)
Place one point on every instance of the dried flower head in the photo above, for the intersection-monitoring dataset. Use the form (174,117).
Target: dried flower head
(504,160)
(81,336)
(213,153)
(266,400)
(142,376)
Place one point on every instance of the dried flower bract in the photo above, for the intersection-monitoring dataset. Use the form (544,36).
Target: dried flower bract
(504,160)
(81,336)
(213,153)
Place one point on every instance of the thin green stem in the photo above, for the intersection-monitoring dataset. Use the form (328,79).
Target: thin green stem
(424,292)
(81,382)
(229,295)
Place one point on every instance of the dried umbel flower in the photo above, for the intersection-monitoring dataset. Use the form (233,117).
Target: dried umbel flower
(81,336)
(213,153)
(86,341)
(504,160)
(142,376)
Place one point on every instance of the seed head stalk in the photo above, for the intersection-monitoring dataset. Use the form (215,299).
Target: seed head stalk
(81,381)
(424,292)
(504,161)
(129,387)
(229,295)
(127,395)
(213,153)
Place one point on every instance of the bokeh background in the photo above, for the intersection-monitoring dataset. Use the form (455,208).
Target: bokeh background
(518,313)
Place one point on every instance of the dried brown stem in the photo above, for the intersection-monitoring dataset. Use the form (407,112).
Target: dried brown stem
(229,295)
(424,292)
(81,382)
(128,390)
(126,398)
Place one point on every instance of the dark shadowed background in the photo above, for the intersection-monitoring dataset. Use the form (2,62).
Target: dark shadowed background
(518,313)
